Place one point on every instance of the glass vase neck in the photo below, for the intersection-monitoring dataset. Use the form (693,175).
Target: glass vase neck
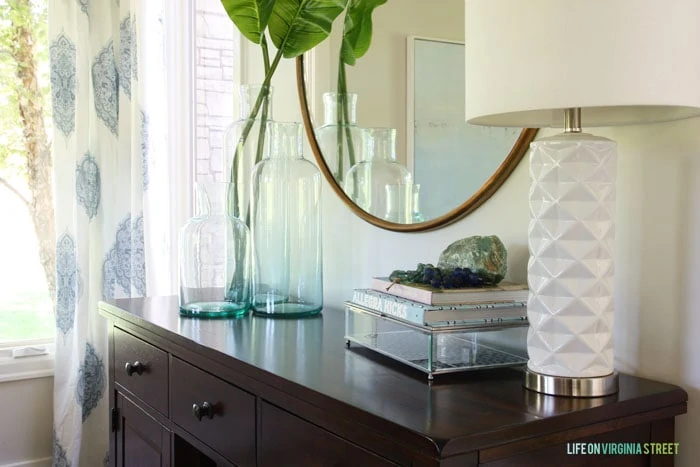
(380,144)
(250,93)
(286,138)
(212,198)
(331,100)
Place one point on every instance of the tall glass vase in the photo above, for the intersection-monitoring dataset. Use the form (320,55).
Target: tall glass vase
(214,257)
(379,184)
(286,229)
(246,142)
(339,137)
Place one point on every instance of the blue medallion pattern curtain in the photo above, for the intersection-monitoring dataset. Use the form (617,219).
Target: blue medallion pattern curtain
(109,147)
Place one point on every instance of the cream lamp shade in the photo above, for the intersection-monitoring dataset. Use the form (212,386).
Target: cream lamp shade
(620,61)
(576,64)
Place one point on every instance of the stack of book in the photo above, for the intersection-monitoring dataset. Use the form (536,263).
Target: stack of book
(429,306)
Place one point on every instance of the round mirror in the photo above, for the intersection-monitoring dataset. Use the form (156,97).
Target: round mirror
(389,132)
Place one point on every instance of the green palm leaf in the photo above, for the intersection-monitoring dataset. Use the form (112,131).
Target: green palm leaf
(357,32)
(250,16)
(299,25)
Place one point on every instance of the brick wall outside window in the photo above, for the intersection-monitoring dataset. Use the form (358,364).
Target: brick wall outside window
(214,86)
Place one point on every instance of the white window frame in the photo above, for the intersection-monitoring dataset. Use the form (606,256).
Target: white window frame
(180,20)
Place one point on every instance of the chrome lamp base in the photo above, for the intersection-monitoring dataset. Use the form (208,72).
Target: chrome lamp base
(571,387)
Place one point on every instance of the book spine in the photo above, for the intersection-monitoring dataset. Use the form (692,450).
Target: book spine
(387,305)
(417,312)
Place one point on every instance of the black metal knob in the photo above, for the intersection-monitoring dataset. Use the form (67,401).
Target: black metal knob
(136,367)
(204,410)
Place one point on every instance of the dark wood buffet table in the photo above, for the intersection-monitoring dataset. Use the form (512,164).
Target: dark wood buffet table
(271,392)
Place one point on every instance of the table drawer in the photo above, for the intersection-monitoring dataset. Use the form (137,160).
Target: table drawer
(142,369)
(216,412)
(288,440)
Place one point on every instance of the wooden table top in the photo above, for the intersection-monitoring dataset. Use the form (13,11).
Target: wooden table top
(307,358)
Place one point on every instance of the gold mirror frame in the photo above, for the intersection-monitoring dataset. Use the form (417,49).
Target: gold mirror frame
(477,199)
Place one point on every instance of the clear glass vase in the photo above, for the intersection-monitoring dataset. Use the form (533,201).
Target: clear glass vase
(416,213)
(286,229)
(214,257)
(379,184)
(339,138)
(246,142)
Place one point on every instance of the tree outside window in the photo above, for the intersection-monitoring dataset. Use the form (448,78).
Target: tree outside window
(27,232)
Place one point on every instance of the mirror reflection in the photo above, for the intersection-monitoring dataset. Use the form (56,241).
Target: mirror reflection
(393,133)
(449,158)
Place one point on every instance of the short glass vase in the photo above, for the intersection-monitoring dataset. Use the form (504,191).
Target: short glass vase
(214,257)
(379,184)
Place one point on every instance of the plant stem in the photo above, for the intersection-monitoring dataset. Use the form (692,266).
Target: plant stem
(343,120)
(254,112)
(266,107)
(339,122)
(263,117)
(233,197)
(263,98)
(266,54)
(346,117)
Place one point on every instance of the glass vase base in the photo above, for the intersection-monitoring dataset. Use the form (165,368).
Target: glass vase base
(287,310)
(214,310)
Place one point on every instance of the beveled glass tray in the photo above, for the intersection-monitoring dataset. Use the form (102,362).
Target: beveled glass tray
(437,350)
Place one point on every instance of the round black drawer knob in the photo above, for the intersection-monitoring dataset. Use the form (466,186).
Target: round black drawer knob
(136,367)
(204,410)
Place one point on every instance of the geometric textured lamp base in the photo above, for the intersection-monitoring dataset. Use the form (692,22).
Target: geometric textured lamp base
(571,387)
(571,268)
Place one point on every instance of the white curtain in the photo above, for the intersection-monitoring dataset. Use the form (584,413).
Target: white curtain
(113,223)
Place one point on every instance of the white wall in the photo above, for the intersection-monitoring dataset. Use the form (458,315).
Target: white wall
(657,328)
(26,425)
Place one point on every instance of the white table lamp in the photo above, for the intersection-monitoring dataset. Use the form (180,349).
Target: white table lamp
(568,63)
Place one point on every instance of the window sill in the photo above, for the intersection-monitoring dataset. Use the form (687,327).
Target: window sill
(21,368)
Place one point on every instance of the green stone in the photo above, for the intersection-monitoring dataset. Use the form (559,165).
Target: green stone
(485,256)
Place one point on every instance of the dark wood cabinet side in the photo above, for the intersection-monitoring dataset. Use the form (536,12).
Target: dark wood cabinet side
(140,440)
(562,453)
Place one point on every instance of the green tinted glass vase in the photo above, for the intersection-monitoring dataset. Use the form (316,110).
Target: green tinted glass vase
(214,257)
(286,229)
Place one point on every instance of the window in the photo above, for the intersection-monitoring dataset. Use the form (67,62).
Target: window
(26,309)
(26,292)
